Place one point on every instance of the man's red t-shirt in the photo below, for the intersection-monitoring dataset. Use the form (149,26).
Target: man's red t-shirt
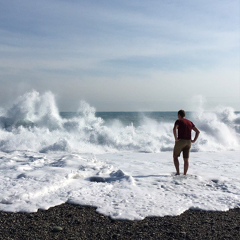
(184,128)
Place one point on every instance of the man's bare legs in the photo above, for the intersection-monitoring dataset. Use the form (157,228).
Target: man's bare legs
(176,163)
(186,164)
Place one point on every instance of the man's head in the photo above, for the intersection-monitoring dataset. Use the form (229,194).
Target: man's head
(181,113)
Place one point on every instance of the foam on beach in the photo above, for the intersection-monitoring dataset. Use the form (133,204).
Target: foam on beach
(125,171)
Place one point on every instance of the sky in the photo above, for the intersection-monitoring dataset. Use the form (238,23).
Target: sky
(121,55)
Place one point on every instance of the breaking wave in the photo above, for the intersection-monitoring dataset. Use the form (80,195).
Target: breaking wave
(34,123)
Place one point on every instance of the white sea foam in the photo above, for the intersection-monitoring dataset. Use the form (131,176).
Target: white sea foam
(125,171)
(34,123)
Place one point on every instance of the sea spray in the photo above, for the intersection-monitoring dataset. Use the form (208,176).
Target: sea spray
(219,131)
(34,123)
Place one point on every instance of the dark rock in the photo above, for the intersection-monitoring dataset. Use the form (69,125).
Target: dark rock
(57,229)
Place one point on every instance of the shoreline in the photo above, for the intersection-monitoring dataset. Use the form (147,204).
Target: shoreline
(70,221)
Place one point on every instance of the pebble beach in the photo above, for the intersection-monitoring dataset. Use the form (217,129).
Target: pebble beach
(68,221)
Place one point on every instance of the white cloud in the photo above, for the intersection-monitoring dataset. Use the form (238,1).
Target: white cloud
(102,50)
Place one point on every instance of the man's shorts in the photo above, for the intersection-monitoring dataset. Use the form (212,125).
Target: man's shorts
(182,146)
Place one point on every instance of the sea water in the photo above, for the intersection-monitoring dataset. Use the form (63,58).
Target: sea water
(119,162)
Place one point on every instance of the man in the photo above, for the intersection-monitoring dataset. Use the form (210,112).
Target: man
(183,140)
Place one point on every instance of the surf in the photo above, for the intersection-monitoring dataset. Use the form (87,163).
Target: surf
(34,123)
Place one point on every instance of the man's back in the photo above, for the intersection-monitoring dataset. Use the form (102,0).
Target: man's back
(184,128)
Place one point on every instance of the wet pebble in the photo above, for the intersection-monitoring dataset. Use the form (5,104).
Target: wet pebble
(57,229)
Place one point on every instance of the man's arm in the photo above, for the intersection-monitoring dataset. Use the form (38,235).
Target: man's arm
(197,132)
(175,132)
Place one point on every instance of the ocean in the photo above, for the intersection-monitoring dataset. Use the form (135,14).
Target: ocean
(119,162)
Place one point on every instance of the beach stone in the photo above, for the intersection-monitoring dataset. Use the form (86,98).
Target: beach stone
(145,225)
(184,234)
(30,216)
(57,229)
(116,235)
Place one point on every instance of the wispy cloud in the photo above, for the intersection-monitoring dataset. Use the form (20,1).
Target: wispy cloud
(89,43)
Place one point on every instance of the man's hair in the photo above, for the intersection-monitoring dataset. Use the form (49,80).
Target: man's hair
(182,113)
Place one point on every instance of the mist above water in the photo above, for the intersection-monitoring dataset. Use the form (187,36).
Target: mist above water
(34,123)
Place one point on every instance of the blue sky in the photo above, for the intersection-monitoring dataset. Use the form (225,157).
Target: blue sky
(122,55)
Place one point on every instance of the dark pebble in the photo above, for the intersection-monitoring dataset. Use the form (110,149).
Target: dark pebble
(57,229)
